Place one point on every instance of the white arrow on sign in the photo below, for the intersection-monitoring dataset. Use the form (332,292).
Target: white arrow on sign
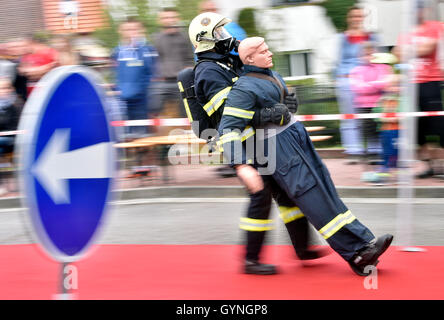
(56,165)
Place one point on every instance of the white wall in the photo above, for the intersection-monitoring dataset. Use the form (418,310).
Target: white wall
(301,28)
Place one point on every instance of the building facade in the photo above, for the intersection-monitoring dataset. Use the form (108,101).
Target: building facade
(22,18)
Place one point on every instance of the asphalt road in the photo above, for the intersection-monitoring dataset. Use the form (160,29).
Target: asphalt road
(195,221)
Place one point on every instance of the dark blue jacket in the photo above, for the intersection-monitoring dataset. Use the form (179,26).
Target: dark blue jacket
(215,74)
(247,96)
(135,67)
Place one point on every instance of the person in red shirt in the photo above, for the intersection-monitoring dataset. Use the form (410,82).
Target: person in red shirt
(428,75)
(37,62)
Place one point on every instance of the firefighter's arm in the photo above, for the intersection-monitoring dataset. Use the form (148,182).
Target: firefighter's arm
(211,89)
(237,115)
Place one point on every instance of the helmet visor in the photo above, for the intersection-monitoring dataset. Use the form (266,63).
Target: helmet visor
(220,33)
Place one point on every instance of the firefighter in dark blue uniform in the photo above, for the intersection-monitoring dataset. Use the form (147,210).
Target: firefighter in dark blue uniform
(292,161)
(215,74)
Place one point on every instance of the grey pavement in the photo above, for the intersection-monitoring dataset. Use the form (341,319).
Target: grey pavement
(214,221)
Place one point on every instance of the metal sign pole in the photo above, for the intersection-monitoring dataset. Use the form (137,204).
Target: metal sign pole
(407,136)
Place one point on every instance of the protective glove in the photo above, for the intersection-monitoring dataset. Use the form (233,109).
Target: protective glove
(278,114)
(291,101)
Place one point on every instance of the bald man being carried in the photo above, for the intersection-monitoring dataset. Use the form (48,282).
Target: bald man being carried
(287,156)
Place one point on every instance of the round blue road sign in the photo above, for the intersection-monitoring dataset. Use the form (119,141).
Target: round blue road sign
(67,160)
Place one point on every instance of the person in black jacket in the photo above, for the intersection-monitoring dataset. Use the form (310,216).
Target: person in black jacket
(215,74)
(10,109)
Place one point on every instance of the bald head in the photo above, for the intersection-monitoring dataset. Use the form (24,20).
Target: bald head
(254,51)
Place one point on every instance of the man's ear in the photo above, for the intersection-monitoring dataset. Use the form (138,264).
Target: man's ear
(249,60)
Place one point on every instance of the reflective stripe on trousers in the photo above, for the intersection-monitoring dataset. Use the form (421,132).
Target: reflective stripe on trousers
(289,214)
(336,224)
(249,224)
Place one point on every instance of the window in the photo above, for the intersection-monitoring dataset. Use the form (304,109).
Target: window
(293,64)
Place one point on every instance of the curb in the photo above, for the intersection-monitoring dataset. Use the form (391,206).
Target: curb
(239,192)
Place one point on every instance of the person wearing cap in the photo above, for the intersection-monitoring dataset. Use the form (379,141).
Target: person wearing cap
(297,169)
(215,73)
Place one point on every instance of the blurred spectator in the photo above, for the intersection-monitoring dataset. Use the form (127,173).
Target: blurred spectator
(350,47)
(233,28)
(14,51)
(10,108)
(389,129)
(368,81)
(37,63)
(66,55)
(175,54)
(7,67)
(428,75)
(135,61)
(18,49)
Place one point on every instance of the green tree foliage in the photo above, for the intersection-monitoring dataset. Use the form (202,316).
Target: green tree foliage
(141,9)
(337,11)
(144,13)
(108,35)
(248,22)
(188,9)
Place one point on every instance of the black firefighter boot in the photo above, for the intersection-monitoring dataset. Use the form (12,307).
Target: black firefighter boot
(255,267)
(252,264)
(299,231)
(368,256)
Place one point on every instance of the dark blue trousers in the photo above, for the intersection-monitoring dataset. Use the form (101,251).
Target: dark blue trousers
(390,156)
(301,173)
(137,110)
(259,210)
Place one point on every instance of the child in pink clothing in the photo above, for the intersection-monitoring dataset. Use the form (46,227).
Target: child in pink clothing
(368,82)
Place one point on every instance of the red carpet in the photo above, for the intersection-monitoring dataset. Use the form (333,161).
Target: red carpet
(207,272)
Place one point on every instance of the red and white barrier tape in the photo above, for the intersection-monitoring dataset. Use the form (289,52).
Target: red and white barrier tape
(152,122)
(177,122)
(184,121)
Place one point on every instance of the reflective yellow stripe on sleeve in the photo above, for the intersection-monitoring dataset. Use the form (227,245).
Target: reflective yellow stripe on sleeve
(247,133)
(216,101)
(289,214)
(231,136)
(256,224)
(240,113)
(185,103)
(336,224)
